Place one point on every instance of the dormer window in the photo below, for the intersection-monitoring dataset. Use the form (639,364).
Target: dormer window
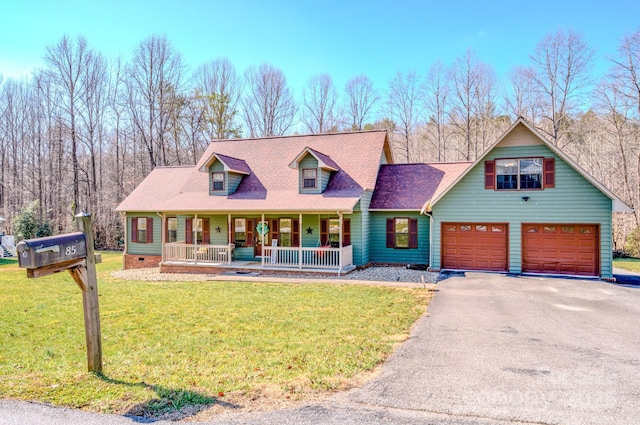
(309,178)
(218,182)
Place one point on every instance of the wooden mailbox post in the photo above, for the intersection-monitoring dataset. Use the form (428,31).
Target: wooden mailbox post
(73,252)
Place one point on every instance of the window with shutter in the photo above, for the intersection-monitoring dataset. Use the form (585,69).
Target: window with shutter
(142,229)
(413,233)
(296,233)
(549,173)
(188,230)
(489,174)
(250,231)
(346,232)
(324,232)
(390,234)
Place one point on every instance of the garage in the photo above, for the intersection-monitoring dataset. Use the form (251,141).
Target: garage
(570,249)
(475,246)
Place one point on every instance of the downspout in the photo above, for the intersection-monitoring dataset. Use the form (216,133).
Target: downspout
(126,237)
(430,215)
(300,240)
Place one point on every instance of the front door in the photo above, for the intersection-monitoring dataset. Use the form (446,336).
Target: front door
(262,233)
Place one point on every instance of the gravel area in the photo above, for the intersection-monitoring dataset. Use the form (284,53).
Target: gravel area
(375,274)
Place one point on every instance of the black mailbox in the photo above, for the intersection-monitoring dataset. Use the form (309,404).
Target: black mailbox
(40,252)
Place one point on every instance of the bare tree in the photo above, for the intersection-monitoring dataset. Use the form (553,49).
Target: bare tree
(404,107)
(155,77)
(561,76)
(465,78)
(437,91)
(319,104)
(520,100)
(360,99)
(64,62)
(218,89)
(268,105)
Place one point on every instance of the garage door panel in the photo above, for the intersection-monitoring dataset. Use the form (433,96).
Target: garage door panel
(560,249)
(474,246)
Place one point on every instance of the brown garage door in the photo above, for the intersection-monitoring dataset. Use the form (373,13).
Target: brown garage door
(560,249)
(474,246)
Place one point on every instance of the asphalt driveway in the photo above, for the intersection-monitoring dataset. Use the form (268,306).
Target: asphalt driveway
(493,349)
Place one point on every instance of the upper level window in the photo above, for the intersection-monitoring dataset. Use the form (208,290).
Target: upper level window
(519,174)
(309,178)
(218,181)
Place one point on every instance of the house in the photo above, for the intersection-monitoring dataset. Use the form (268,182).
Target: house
(333,202)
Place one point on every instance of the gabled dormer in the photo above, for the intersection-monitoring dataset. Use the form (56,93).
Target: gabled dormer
(314,170)
(225,173)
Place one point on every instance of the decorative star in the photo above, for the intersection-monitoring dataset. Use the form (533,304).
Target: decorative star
(218,229)
(309,231)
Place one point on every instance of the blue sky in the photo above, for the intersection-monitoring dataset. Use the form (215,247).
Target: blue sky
(305,38)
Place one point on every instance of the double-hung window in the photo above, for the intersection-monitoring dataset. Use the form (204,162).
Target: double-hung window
(285,232)
(172,229)
(142,230)
(309,178)
(217,182)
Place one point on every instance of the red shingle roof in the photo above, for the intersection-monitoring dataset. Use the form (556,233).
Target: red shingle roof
(271,185)
(409,186)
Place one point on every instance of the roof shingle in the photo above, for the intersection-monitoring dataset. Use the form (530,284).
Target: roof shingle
(408,186)
(271,184)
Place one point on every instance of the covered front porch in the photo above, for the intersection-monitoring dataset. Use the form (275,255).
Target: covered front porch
(282,242)
(319,259)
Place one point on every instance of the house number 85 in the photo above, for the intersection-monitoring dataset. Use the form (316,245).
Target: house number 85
(70,250)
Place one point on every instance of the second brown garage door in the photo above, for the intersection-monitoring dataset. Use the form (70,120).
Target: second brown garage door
(560,249)
(475,246)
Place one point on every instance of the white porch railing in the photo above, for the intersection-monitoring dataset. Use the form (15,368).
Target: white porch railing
(308,258)
(8,243)
(210,254)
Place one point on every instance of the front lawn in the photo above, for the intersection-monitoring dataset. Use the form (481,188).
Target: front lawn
(174,345)
(631,264)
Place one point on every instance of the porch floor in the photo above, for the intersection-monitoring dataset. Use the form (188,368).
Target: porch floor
(257,267)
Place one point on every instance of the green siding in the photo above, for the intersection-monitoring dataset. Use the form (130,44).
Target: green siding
(357,237)
(154,248)
(379,253)
(364,203)
(313,222)
(573,200)
(233,181)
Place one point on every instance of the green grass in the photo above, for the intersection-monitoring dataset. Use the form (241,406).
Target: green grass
(169,345)
(631,264)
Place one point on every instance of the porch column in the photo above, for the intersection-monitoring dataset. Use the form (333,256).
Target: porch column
(262,241)
(194,230)
(229,251)
(163,230)
(340,242)
(300,239)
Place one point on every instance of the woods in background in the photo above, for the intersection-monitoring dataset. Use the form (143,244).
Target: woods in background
(83,131)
